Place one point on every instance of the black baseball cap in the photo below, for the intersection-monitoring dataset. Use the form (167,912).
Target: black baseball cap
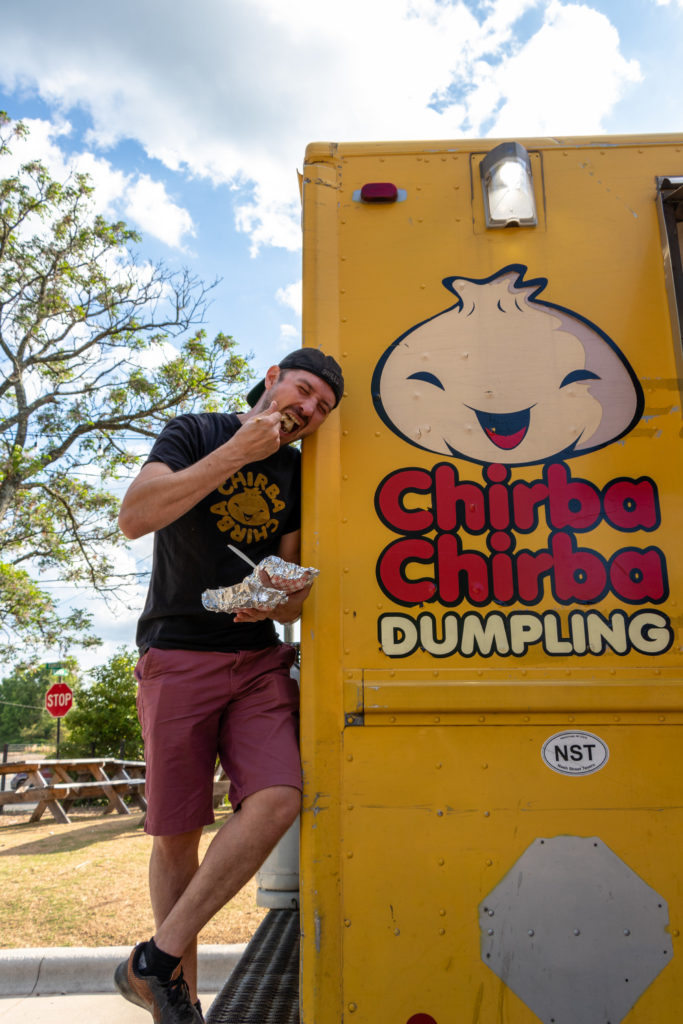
(314,361)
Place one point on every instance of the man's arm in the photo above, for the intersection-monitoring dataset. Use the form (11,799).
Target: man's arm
(290,547)
(158,495)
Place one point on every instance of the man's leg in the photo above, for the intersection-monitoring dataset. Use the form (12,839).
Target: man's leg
(258,747)
(181,738)
(172,865)
(236,852)
(259,750)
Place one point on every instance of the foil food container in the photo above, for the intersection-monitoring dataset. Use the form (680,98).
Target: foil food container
(251,592)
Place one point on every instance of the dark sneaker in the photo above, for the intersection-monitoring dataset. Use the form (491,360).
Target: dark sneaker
(168,1001)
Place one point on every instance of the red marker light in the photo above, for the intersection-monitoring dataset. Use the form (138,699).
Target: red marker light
(421,1018)
(379,192)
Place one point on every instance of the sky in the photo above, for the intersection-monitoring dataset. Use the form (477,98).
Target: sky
(192,120)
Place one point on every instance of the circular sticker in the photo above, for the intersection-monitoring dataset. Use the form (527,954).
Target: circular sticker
(575,753)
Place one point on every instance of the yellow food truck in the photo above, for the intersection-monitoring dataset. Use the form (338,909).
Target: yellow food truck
(492,670)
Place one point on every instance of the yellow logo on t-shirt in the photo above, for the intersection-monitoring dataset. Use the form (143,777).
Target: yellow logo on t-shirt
(249,514)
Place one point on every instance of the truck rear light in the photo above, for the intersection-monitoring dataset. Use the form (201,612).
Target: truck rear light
(379,192)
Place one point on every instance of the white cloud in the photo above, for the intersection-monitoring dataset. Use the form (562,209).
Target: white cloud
(43,143)
(270,221)
(290,296)
(538,89)
(145,201)
(234,91)
(290,338)
(148,204)
(39,144)
(109,183)
(290,335)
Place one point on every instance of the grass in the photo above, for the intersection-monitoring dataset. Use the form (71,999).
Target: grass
(85,884)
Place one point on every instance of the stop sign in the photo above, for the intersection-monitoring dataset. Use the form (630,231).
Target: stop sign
(58,699)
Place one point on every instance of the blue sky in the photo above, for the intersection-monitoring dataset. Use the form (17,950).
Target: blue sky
(193,119)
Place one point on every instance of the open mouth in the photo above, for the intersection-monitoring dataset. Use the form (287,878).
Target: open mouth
(504,429)
(288,424)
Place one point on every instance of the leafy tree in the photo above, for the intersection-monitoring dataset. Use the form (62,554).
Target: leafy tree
(23,717)
(103,720)
(97,349)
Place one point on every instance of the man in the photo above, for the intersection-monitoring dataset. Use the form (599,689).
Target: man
(215,684)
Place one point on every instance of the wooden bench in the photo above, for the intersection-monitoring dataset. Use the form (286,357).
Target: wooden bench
(85,778)
(71,780)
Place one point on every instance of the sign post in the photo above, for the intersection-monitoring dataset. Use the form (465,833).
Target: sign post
(58,702)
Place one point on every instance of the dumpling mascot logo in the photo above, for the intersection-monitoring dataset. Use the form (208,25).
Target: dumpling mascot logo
(507,380)
(504,377)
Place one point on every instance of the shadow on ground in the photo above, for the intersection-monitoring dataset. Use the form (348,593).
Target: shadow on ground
(87,828)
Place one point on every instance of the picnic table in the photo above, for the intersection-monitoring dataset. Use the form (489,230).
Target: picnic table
(54,785)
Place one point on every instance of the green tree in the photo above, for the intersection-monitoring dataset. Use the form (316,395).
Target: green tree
(103,720)
(97,349)
(23,717)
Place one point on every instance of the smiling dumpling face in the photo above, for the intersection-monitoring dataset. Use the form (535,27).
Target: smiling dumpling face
(249,507)
(501,377)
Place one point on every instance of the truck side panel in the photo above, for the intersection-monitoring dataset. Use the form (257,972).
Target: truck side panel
(492,694)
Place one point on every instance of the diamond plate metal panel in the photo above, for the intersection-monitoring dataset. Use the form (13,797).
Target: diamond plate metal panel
(575,932)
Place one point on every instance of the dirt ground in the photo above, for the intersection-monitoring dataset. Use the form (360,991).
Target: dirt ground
(85,884)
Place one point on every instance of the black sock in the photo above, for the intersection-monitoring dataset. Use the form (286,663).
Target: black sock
(152,960)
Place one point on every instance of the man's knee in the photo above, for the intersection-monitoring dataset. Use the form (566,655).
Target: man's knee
(277,805)
(290,807)
(178,852)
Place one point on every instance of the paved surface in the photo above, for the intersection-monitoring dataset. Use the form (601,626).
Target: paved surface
(86,1009)
(67,985)
(82,970)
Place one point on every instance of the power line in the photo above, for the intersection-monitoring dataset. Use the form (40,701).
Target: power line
(33,707)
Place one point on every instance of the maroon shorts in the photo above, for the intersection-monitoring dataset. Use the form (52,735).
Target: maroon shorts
(195,705)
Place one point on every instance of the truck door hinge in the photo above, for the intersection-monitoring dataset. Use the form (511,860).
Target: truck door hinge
(354,719)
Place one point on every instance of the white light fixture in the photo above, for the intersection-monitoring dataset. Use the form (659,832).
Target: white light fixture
(508,187)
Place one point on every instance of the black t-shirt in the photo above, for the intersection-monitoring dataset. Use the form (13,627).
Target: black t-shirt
(252,510)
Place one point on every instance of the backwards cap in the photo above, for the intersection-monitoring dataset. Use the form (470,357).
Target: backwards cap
(314,361)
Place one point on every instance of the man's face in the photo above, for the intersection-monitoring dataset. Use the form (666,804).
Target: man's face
(304,399)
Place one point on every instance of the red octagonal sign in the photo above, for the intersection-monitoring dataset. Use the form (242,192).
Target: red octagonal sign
(58,699)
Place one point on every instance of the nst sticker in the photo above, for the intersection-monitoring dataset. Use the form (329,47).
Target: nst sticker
(575,753)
